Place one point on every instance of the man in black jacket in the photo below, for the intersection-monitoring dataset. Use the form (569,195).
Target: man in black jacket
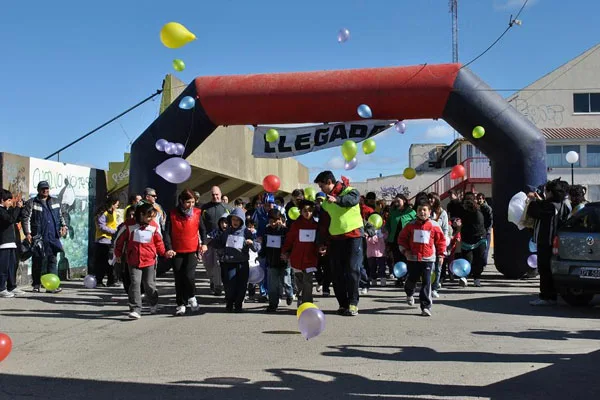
(44,223)
(209,221)
(488,220)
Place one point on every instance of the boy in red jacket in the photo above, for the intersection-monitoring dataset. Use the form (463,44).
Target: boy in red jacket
(142,240)
(301,242)
(421,241)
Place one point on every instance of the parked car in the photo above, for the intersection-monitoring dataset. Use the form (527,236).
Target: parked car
(576,256)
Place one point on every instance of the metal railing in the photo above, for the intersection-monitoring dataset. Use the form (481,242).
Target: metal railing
(476,169)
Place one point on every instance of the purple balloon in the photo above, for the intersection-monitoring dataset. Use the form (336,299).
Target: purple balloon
(179,149)
(89,281)
(311,323)
(256,275)
(532,261)
(348,165)
(400,126)
(171,149)
(160,144)
(174,170)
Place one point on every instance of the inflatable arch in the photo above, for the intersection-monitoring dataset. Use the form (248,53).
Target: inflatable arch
(514,145)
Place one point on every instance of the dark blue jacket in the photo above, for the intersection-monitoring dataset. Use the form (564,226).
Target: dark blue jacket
(44,219)
(230,254)
(272,254)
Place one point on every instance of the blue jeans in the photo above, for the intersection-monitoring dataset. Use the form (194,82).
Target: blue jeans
(264,285)
(46,264)
(437,269)
(345,256)
(279,278)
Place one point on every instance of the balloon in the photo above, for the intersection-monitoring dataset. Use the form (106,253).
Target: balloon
(458,171)
(375,220)
(478,132)
(343,35)
(174,35)
(369,146)
(293,213)
(50,281)
(178,65)
(5,346)
(572,157)
(311,323)
(272,135)
(310,194)
(364,111)
(400,126)
(400,269)
(187,103)
(348,165)
(89,281)
(271,183)
(171,149)
(532,261)
(349,150)
(256,275)
(460,267)
(532,246)
(160,144)
(516,208)
(179,149)
(174,170)
(409,173)
(303,307)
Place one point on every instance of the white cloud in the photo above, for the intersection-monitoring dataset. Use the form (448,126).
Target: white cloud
(439,132)
(336,163)
(503,5)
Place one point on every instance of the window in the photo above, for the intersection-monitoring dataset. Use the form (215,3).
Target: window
(586,102)
(469,151)
(593,155)
(587,220)
(555,156)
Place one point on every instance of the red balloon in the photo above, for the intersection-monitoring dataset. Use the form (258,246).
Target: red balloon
(458,171)
(5,346)
(271,183)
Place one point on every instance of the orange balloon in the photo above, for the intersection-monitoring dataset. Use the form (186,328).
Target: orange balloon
(5,346)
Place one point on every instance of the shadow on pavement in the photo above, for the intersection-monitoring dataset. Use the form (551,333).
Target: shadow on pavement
(546,334)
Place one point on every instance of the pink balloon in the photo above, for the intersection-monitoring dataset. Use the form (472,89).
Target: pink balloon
(311,323)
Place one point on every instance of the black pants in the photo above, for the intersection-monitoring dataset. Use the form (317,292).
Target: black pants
(184,269)
(476,257)
(420,270)
(8,269)
(235,281)
(345,256)
(547,289)
(323,274)
(101,266)
(41,266)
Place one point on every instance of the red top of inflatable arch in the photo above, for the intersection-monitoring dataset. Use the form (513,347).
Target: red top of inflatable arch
(327,96)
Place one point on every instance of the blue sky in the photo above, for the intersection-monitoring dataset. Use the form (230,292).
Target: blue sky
(68,66)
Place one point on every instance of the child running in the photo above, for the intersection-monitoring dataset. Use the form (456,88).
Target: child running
(420,241)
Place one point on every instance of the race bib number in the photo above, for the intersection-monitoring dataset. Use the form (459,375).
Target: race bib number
(235,242)
(142,236)
(307,235)
(309,270)
(274,241)
(420,236)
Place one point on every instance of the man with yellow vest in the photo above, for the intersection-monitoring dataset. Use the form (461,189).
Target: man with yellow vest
(106,226)
(341,232)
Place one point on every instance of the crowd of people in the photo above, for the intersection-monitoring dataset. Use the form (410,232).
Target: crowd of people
(330,244)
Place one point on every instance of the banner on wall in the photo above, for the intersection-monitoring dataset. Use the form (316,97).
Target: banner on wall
(74,187)
(305,139)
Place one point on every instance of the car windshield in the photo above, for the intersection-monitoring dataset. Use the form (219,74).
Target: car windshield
(586,220)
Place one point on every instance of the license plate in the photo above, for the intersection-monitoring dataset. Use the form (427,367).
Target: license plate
(589,273)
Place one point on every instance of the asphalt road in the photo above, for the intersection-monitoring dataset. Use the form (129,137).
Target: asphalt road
(480,343)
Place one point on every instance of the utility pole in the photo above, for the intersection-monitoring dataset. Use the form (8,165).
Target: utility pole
(453,4)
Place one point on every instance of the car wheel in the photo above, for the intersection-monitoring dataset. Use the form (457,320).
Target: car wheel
(577,298)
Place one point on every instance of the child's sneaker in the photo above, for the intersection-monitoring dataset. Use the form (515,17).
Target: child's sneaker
(319,288)
(435,294)
(352,311)
(477,282)
(5,294)
(364,291)
(17,292)
(36,288)
(382,282)
(134,315)
(426,312)
(463,282)
(180,310)
(342,311)
(193,303)
(410,300)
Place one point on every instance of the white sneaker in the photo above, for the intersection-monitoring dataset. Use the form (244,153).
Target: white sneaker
(477,282)
(382,282)
(463,282)
(319,288)
(17,292)
(542,302)
(180,310)
(153,309)
(426,312)
(410,300)
(435,294)
(193,303)
(6,294)
(364,291)
(134,315)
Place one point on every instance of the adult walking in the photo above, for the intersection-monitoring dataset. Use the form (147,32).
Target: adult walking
(106,226)
(44,225)
(182,241)
(342,238)
(211,213)
(150,196)
(488,222)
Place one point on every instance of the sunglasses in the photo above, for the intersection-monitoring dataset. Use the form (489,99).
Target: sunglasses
(152,195)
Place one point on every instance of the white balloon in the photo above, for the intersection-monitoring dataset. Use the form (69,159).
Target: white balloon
(516,208)
(572,157)
(174,170)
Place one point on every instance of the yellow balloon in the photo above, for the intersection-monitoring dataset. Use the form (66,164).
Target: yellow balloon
(50,281)
(174,35)
(349,150)
(294,213)
(303,307)
(409,173)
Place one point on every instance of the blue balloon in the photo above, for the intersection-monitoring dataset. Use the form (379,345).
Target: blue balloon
(187,103)
(364,111)
(460,267)
(400,269)
(532,246)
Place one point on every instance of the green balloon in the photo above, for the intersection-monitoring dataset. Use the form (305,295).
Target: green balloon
(349,150)
(294,213)
(50,281)
(178,65)
(369,146)
(310,194)
(376,221)
(272,135)
(478,132)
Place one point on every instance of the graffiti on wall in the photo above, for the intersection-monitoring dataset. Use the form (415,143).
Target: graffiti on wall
(540,113)
(389,192)
(14,175)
